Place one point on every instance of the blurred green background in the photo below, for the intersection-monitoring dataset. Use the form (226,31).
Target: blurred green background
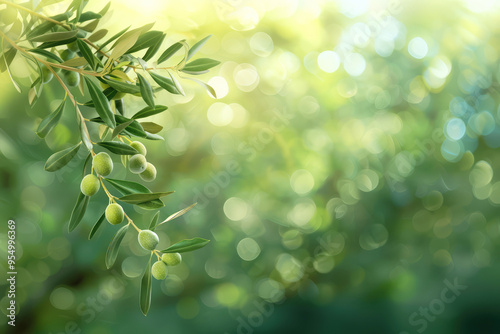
(346,177)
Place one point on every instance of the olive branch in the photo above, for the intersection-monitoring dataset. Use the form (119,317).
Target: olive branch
(69,48)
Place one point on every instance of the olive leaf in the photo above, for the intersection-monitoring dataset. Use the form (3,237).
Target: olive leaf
(186,245)
(120,128)
(97,225)
(196,47)
(153,49)
(112,38)
(145,296)
(46,54)
(146,91)
(129,187)
(177,214)
(87,54)
(141,198)
(151,127)
(123,86)
(55,36)
(146,40)
(125,42)
(164,83)
(149,111)
(49,122)
(78,211)
(154,221)
(118,147)
(85,164)
(201,65)
(99,34)
(87,16)
(101,103)
(169,52)
(60,159)
(114,245)
(209,88)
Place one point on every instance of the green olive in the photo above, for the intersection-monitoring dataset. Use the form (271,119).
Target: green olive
(148,239)
(149,173)
(114,214)
(90,185)
(159,270)
(171,259)
(137,164)
(46,74)
(71,78)
(102,164)
(139,147)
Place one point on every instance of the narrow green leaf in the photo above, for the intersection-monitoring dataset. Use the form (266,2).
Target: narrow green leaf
(60,159)
(112,38)
(123,86)
(108,92)
(154,221)
(151,127)
(120,107)
(75,62)
(169,52)
(200,65)
(118,147)
(145,297)
(134,128)
(98,35)
(91,26)
(146,91)
(97,225)
(164,83)
(128,40)
(120,128)
(105,9)
(146,40)
(87,16)
(87,54)
(85,164)
(47,54)
(78,211)
(177,84)
(129,187)
(47,45)
(152,136)
(186,245)
(209,88)
(55,36)
(49,122)
(101,103)
(177,214)
(7,58)
(141,198)
(196,47)
(153,49)
(47,25)
(114,245)
(148,111)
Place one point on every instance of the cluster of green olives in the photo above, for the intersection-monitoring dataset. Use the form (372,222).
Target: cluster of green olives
(103,166)
(139,165)
(71,78)
(149,240)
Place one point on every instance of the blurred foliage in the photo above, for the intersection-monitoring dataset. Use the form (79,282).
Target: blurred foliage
(346,173)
